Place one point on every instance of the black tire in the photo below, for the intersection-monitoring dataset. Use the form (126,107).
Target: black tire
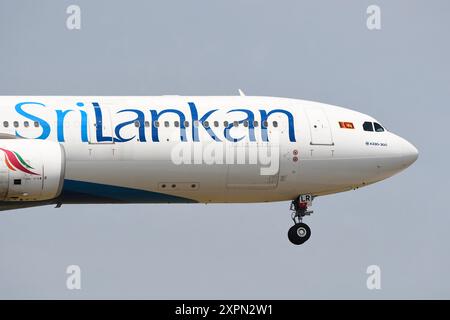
(299,233)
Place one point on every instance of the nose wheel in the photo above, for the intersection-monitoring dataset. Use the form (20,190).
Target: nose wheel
(300,232)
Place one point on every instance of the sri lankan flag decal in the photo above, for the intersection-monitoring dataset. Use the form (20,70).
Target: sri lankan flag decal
(14,161)
(346,125)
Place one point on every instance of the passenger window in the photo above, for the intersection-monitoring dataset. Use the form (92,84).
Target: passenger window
(265,124)
(255,124)
(235,123)
(16,124)
(147,124)
(225,124)
(378,127)
(156,124)
(136,124)
(275,124)
(368,126)
(246,123)
(176,124)
(166,124)
(216,124)
(26,124)
(5,124)
(206,124)
(36,124)
(195,123)
(186,124)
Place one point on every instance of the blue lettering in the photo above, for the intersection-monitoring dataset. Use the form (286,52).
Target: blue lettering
(42,123)
(60,115)
(140,119)
(99,124)
(195,118)
(155,117)
(251,128)
(84,134)
(265,116)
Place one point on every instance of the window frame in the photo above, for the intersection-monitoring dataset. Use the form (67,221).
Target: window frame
(367,129)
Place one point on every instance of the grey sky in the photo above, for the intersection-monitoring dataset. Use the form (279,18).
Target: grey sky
(317,50)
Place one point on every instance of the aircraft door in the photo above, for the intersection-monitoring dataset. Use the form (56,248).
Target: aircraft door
(319,126)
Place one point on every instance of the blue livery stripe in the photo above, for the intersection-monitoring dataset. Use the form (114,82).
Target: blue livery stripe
(75,191)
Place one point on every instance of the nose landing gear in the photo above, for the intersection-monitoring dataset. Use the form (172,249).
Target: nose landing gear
(300,232)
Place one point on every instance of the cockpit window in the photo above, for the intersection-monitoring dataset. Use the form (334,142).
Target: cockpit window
(378,127)
(368,126)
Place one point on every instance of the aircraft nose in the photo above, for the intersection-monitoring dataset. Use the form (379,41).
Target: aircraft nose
(409,153)
(400,155)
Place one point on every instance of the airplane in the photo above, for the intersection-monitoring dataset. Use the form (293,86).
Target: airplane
(59,150)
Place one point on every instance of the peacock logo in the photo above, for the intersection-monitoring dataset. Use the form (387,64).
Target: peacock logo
(14,161)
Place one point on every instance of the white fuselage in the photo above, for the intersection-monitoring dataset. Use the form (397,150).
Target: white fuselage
(203,149)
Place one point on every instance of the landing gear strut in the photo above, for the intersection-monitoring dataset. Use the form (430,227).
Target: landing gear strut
(300,232)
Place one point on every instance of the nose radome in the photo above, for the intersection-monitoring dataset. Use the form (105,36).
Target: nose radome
(409,153)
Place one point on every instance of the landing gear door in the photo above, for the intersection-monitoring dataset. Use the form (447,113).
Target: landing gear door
(319,126)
